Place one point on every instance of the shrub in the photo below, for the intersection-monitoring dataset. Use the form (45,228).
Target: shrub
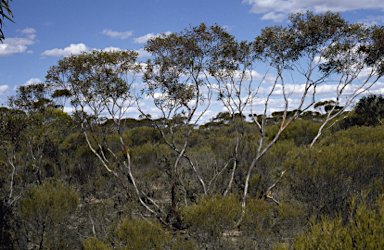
(363,230)
(135,233)
(211,220)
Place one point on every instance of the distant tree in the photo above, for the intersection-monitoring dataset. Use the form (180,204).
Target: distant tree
(370,109)
(328,106)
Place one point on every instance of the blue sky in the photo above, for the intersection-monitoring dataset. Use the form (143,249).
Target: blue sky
(46,30)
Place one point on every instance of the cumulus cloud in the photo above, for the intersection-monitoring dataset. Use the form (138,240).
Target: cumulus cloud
(375,91)
(274,16)
(76,49)
(32,81)
(29,32)
(3,89)
(29,82)
(18,44)
(116,34)
(111,48)
(274,9)
(205,117)
(143,53)
(227,27)
(145,38)
(67,51)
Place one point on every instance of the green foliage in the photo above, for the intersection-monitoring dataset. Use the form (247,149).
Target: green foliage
(31,98)
(370,110)
(95,244)
(211,218)
(139,234)
(326,176)
(267,222)
(364,135)
(301,132)
(134,233)
(44,208)
(141,135)
(375,49)
(95,76)
(52,201)
(9,232)
(363,230)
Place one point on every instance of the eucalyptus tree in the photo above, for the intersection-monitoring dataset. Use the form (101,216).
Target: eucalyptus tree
(317,48)
(313,50)
(12,126)
(30,129)
(99,87)
(356,64)
(234,73)
(179,79)
(22,135)
(296,49)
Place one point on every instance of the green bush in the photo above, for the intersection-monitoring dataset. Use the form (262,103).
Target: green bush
(134,233)
(326,176)
(46,209)
(94,244)
(363,230)
(211,220)
(267,222)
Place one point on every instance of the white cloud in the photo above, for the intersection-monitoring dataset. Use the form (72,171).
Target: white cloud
(145,38)
(206,117)
(7,49)
(18,44)
(67,51)
(143,53)
(377,91)
(109,49)
(29,82)
(32,81)
(116,34)
(3,89)
(30,32)
(273,16)
(138,85)
(227,27)
(274,8)
(80,47)
(155,96)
